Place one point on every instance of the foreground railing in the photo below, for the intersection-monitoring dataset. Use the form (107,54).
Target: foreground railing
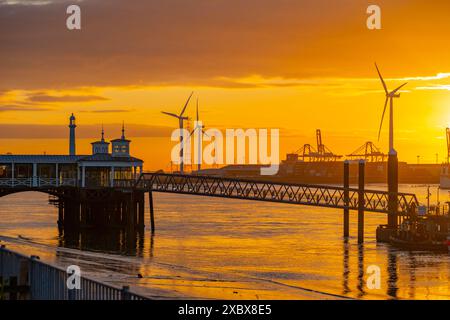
(23,277)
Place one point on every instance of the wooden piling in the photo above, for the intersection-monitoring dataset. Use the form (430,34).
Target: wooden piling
(152,217)
(361,202)
(346,199)
(83,215)
(131,212)
(60,214)
(141,210)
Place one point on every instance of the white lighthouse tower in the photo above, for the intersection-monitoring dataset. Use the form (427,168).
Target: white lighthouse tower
(72,127)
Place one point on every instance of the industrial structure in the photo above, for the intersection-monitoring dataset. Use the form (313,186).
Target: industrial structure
(308,153)
(368,152)
(444,181)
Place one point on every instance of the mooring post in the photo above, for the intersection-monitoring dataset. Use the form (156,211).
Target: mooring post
(361,201)
(152,217)
(346,199)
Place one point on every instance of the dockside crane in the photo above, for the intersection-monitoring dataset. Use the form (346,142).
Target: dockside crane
(368,152)
(308,153)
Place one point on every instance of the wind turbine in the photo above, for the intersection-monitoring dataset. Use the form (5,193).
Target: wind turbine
(389,97)
(200,127)
(392,174)
(181,120)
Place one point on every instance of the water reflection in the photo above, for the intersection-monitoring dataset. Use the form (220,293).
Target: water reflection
(392,274)
(361,284)
(287,248)
(412,275)
(115,241)
(346,270)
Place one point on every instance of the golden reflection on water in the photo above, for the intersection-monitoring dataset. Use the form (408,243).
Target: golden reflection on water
(219,248)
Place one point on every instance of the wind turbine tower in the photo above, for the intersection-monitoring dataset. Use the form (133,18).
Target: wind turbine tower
(181,118)
(199,128)
(392,157)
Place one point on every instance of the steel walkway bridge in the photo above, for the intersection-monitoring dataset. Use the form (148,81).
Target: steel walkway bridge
(291,193)
(123,202)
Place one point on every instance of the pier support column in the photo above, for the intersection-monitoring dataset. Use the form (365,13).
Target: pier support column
(152,217)
(12,174)
(131,212)
(346,199)
(141,210)
(60,212)
(361,201)
(83,214)
(392,190)
(35,176)
(83,176)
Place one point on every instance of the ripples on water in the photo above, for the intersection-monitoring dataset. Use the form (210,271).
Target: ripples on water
(221,248)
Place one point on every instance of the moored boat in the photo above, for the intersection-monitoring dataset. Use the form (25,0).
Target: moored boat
(426,245)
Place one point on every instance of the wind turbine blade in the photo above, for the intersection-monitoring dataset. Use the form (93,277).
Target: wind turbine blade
(395,91)
(192,132)
(382,117)
(381,78)
(170,114)
(187,102)
(205,133)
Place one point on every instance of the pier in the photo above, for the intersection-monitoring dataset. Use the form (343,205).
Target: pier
(108,189)
(122,204)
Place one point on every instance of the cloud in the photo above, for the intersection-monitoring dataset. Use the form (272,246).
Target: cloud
(22,107)
(439,76)
(25,2)
(42,97)
(259,81)
(435,87)
(37,131)
(107,111)
(179,42)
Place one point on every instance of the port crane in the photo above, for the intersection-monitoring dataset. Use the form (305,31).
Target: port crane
(319,154)
(368,152)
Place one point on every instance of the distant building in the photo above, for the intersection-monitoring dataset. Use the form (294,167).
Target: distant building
(100,169)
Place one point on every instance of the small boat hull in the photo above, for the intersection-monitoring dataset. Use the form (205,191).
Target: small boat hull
(438,246)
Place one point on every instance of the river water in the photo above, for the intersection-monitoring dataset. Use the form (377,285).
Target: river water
(214,248)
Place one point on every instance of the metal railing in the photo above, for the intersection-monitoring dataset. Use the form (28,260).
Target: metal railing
(48,282)
(293,193)
(37,182)
(16,182)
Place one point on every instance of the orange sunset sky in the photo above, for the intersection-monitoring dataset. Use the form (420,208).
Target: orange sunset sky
(295,65)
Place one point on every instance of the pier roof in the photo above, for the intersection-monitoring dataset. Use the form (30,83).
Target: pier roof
(9,158)
(108,157)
